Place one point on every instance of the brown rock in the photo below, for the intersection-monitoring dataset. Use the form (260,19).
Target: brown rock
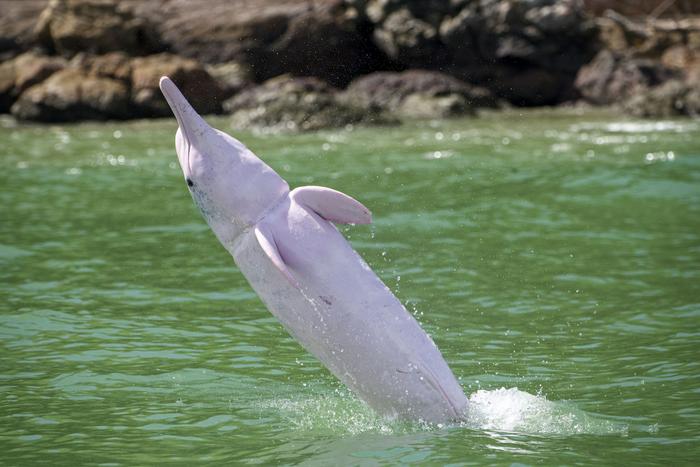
(31,69)
(612,35)
(24,71)
(326,41)
(302,37)
(70,95)
(612,78)
(7,85)
(94,26)
(115,65)
(491,43)
(674,97)
(680,57)
(407,39)
(17,20)
(203,91)
(417,93)
(231,76)
(287,103)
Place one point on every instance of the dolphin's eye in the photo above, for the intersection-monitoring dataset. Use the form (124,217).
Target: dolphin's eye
(190,182)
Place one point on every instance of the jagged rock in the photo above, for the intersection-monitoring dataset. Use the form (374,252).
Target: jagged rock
(408,30)
(22,72)
(326,41)
(272,37)
(17,20)
(421,105)
(115,65)
(203,91)
(407,39)
(417,93)
(612,78)
(231,76)
(286,103)
(681,57)
(674,97)
(31,69)
(70,95)
(490,42)
(94,26)
(644,7)
(612,35)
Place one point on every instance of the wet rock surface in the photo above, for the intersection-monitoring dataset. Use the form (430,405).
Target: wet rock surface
(417,93)
(612,77)
(288,103)
(674,97)
(70,95)
(648,69)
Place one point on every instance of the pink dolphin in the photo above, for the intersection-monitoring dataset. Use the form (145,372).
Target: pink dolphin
(308,275)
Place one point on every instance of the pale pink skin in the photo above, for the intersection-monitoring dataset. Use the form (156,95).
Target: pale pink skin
(309,276)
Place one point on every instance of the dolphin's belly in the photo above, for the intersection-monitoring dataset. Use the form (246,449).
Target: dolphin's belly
(346,317)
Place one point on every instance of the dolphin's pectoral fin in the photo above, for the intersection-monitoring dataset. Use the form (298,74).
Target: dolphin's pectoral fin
(332,205)
(267,243)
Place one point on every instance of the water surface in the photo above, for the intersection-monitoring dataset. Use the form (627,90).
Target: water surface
(553,257)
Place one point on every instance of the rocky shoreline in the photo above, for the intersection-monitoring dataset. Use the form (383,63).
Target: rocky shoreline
(309,64)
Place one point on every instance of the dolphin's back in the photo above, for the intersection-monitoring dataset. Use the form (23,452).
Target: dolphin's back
(341,312)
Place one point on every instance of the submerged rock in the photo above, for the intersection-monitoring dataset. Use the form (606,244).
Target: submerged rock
(71,94)
(417,93)
(288,103)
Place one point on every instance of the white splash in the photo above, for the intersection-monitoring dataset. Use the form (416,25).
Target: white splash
(500,410)
(512,410)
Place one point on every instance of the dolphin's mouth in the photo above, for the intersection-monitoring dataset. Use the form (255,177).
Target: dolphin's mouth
(175,100)
(187,118)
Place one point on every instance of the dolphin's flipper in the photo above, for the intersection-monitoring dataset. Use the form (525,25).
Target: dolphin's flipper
(267,243)
(332,205)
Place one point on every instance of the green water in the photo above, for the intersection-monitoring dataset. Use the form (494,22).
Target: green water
(558,254)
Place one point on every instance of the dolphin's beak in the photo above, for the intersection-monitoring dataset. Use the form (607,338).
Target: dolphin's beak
(191,124)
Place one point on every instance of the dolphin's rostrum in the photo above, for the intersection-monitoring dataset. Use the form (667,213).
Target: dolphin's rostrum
(308,275)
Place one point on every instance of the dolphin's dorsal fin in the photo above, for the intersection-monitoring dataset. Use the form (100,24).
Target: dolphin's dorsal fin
(267,243)
(332,205)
